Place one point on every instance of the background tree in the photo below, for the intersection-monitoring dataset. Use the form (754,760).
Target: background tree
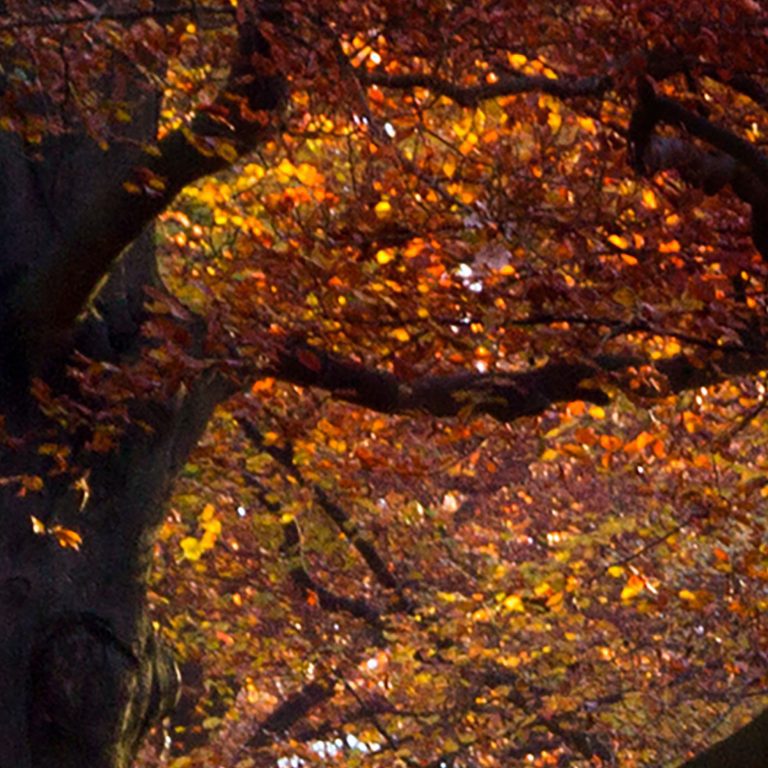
(480,297)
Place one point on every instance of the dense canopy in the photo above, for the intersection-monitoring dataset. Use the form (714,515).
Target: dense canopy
(410,357)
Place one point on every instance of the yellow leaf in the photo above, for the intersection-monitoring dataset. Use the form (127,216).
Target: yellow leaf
(307,174)
(554,121)
(555,601)
(672,246)
(383,208)
(618,241)
(449,745)
(596,412)
(385,255)
(286,168)
(226,151)
(468,144)
(697,599)
(400,334)
(624,296)
(38,526)
(616,571)
(649,199)
(191,548)
(514,603)
(672,347)
(632,588)
(691,421)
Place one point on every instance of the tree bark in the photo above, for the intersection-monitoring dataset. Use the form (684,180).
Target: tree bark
(746,748)
(84,676)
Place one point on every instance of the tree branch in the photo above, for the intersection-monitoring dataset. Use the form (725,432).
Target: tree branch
(123,16)
(736,162)
(369,553)
(326,599)
(506,85)
(293,709)
(504,396)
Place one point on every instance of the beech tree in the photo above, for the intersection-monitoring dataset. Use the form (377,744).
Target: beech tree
(398,368)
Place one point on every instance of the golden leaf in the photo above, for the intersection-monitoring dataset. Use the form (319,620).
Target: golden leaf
(66,537)
(634,586)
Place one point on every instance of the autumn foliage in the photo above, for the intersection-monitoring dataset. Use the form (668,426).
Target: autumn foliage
(483,289)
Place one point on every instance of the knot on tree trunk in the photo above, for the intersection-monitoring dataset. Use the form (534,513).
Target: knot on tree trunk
(92,697)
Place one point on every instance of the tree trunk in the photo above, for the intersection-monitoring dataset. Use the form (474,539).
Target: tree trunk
(746,748)
(83,675)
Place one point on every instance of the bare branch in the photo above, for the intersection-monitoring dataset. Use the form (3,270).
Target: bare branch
(505,396)
(122,16)
(506,85)
(291,711)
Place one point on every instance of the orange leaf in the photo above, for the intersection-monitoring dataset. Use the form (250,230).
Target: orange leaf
(66,537)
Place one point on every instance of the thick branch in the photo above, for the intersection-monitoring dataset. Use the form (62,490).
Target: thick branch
(669,111)
(504,396)
(507,85)
(96,234)
(736,161)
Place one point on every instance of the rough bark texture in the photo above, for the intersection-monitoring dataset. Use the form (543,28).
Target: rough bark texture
(84,676)
(747,748)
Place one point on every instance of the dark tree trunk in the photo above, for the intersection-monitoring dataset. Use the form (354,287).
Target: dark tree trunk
(747,748)
(83,675)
